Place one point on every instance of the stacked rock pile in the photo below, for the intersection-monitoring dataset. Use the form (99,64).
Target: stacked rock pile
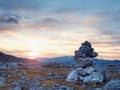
(84,70)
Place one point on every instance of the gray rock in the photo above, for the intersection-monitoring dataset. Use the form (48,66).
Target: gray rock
(99,89)
(56,87)
(3,67)
(97,77)
(84,62)
(50,73)
(65,88)
(16,88)
(72,77)
(87,79)
(16,82)
(89,70)
(32,88)
(94,54)
(94,77)
(14,64)
(58,76)
(113,85)
(86,43)
(81,72)
(2,81)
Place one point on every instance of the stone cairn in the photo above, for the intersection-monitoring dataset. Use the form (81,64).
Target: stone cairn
(83,69)
(85,51)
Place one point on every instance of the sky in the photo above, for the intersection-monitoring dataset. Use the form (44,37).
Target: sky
(52,28)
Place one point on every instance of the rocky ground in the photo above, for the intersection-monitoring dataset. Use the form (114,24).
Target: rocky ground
(83,75)
(20,76)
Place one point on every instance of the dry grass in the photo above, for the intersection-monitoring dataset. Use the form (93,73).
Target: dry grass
(6,87)
(62,71)
(32,73)
(49,83)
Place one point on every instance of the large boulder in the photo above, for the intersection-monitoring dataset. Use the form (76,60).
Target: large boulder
(113,85)
(96,77)
(85,74)
(72,77)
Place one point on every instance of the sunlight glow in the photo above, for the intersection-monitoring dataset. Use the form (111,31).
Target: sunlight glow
(33,54)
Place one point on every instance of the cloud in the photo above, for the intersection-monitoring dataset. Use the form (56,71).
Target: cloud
(109,22)
(50,21)
(106,25)
(9,18)
(9,21)
(110,15)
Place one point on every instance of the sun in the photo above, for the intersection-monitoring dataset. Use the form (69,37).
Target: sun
(33,54)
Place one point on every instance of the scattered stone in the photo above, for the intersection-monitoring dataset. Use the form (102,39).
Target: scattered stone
(50,73)
(16,82)
(2,81)
(99,89)
(58,76)
(65,88)
(16,88)
(113,85)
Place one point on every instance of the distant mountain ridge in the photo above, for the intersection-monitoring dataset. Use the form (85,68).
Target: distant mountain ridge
(63,59)
(70,60)
(66,60)
(10,58)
